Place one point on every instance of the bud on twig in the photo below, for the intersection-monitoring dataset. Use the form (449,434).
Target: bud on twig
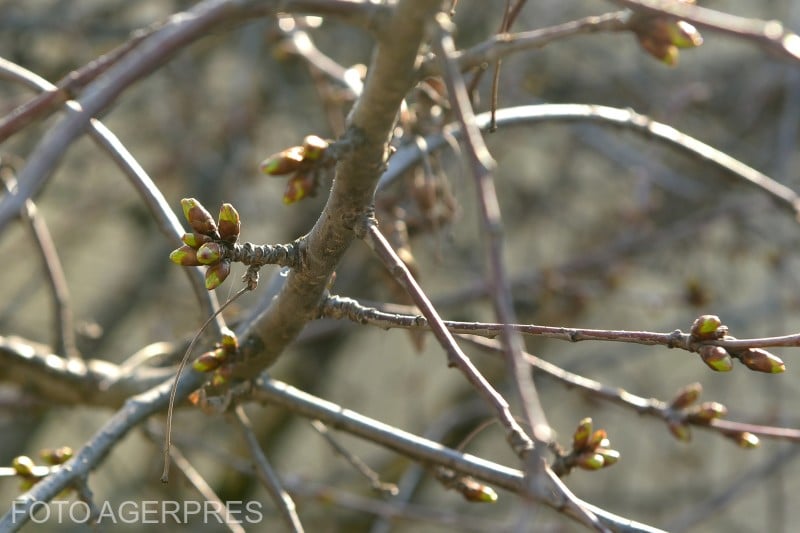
(314,147)
(582,433)
(23,465)
(597,438)
(58,456)
(284,162)
(708,327)
(195,240)
(474,491)
(298,187)
(679,430)
(716,357)
(706,412)
(229,341)
(229,223)
(590,461)
(209,361)
(761,361)
(610,457)
(209,253)
(745,439)
(217,273)
(198,217)
(686,396)
(184,256)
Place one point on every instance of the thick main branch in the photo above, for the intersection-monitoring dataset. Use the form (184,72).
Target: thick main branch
(391,75)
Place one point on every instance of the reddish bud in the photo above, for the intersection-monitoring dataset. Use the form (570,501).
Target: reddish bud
(229,341)
(198,217)
(716,357)
(209,361)
(761,361)
(217,273)
(195,240)
(229,223)
(661,50)
(590,461)
(706,412)
(473,491)
(209,253)
(58,456)
(582,433)
(314,147)
(679,430)
(745,439)
(285,162)
(686,396)
(598,437)
(684,35)
(184,256)
(708,327)
(298,187)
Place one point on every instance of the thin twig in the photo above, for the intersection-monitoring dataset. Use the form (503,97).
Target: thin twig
(162,214)
(575,505)
(392,73)
(267,475)
(783,196)
(339,307)
(181,365)
(135,410)
(201,485)
(481,165)
(389,489)
(520,442)
(504,44)
(275,392)
(643,406)
(770,35)
(53,97)
(63,324)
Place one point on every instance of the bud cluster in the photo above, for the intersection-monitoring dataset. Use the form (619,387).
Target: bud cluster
(719,359)
(302,164)
(209,240)
(24,467)
(590,448)
(213,359)
(663,37)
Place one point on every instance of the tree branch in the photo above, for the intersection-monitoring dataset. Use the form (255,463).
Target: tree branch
(390,76)
(770,35)
(784,197)
(277,393)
